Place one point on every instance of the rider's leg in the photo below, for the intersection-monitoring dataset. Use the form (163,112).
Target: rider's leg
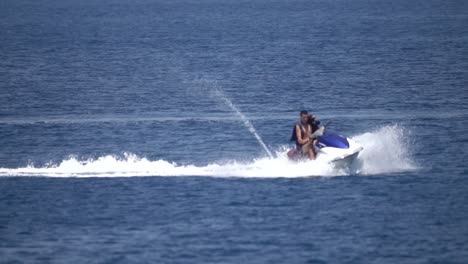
(311,154)
(308,149)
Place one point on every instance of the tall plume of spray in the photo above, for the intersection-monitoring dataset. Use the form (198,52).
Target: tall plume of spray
(212,88)
(243,118)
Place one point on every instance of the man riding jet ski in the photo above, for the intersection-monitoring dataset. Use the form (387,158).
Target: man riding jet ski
(301,135)
(324,145)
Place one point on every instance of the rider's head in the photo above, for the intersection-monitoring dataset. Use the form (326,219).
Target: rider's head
(304,116)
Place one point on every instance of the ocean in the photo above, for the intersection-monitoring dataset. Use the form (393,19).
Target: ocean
(157,131)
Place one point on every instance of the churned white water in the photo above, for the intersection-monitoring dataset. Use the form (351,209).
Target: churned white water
(386,150)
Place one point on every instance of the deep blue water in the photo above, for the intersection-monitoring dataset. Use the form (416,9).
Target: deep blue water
(118,144)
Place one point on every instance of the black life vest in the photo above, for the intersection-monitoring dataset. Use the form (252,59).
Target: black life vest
(294,135)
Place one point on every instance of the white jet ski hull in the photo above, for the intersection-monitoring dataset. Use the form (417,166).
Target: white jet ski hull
(333,154)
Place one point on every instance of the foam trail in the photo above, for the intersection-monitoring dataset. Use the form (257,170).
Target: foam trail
(386,150)
(132,165)
(244,119)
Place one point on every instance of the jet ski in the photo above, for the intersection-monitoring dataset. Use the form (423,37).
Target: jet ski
(331,147)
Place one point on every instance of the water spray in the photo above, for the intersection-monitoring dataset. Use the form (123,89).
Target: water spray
(244,119)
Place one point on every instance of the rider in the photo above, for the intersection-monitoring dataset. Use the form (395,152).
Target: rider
(302,136)
(313,122)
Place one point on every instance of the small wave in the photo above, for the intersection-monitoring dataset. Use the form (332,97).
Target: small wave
(386,150)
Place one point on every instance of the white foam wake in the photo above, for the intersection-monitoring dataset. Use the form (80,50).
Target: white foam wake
(132,165)
(385,151)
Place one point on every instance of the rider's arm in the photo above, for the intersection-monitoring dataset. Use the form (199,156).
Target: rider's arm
(299,135)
